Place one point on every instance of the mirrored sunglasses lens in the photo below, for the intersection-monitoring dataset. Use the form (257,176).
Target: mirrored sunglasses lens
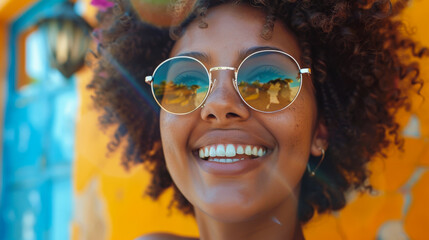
(180,85)
(269,81)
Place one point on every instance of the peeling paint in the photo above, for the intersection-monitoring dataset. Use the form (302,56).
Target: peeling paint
(91,213)
(392,230)
(28,222)
(413,127)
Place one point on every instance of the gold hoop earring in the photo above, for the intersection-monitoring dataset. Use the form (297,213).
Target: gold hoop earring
(313,172)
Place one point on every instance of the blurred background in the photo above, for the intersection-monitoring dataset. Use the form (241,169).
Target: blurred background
(58,181)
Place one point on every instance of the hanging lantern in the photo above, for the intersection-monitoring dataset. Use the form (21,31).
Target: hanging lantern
(68,37)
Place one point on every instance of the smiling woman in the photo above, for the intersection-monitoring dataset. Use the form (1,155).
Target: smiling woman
(270,110)
(247,188)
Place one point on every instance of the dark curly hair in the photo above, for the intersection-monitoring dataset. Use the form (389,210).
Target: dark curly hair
(364,67)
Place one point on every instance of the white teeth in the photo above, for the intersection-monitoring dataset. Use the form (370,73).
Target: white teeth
(240,149)
(260,152)
(220,151)
(248,150)
(230,150)
(206,152)
(255,151)
(212,152)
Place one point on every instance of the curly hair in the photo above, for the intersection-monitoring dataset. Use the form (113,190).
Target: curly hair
(364,68)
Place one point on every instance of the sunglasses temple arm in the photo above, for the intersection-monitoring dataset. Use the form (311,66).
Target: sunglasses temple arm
(305,70)
(148,79)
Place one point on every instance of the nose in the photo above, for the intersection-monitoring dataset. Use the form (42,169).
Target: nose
(223,104)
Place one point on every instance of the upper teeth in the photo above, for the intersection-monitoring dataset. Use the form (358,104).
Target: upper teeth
(230,150)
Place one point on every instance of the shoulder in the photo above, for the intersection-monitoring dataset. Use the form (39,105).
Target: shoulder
(163,236)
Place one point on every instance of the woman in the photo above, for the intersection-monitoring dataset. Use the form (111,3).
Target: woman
(270,110)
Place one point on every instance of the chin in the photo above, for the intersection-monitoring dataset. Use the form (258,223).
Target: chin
(237,209)
(231,213)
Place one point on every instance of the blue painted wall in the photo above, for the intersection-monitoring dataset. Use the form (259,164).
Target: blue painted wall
(38,142)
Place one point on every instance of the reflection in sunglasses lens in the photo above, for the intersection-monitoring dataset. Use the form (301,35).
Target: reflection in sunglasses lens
(180,84)
(268,81)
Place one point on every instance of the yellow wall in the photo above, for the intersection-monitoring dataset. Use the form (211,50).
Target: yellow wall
(110,202)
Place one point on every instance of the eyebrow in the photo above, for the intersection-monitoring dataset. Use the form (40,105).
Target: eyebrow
(242,54)
(198,55)
(246,52)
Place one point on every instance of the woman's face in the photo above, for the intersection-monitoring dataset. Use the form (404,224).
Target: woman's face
(247,188)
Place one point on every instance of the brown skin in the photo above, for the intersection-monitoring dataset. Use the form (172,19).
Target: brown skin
(242,206)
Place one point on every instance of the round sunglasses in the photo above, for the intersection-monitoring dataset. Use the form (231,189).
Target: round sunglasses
(267,81)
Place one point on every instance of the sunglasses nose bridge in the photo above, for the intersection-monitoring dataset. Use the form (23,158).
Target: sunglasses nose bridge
(220,70)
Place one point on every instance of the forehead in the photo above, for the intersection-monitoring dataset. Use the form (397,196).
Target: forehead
(232,29)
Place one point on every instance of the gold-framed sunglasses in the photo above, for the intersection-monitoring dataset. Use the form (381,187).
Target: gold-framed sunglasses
(267,81)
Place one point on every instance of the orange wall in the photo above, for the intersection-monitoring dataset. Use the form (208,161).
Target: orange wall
(11,9)
(110,202)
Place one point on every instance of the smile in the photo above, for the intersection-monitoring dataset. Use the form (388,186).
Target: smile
(230,153)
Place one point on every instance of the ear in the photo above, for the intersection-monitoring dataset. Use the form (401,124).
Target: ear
(320,139)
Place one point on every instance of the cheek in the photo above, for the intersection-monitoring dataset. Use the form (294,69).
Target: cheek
(175,131)
(294,134)
(172,137)
(166,138)
(293,129)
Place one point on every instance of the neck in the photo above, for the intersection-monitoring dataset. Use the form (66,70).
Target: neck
(280,223)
